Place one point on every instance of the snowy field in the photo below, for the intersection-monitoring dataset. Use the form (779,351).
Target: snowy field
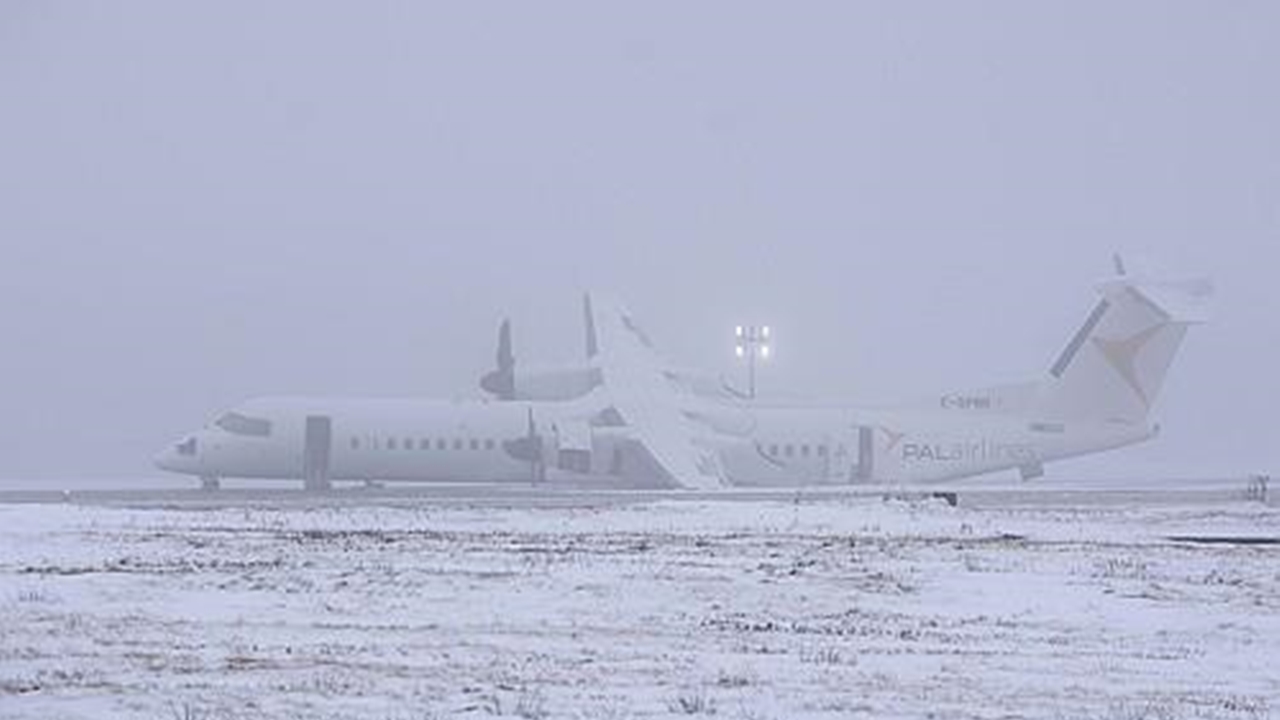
(752,609)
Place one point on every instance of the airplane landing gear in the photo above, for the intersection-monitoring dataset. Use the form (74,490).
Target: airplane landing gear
(210,483)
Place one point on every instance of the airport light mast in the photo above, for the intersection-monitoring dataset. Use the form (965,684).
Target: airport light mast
(752,342)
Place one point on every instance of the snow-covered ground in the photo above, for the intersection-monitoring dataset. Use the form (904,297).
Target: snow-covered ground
(752,609)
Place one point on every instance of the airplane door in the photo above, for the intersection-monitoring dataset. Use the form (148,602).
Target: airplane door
(317,450)
(834,458)
(866,454)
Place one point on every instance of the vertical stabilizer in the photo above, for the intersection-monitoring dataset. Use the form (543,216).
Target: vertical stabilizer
(1115,365)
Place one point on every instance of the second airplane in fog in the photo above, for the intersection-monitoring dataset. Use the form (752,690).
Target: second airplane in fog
(627,418)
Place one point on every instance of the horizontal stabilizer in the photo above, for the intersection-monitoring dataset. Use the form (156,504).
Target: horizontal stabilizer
(1181,299)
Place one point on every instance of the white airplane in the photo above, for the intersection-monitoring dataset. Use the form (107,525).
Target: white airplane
(627,418)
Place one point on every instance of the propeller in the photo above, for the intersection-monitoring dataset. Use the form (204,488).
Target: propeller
(529,448)
(501,382)
(589,322)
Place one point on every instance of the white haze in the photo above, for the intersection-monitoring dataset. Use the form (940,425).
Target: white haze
(203,203)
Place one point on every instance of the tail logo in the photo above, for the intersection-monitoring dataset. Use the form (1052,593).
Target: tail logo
(1122,355)
(891,438)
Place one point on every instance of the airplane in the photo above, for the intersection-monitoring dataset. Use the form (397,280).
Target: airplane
(627,418)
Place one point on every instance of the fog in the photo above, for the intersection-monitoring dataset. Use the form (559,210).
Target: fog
(200,204)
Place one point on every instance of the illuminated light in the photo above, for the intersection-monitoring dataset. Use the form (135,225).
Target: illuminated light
(740,351)
(764,332)
(738,331)
(764,351)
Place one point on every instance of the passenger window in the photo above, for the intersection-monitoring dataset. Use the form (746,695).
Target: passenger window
(424,444)
(355,443)
(489,444)
(773,450)
(441,444)
(789,450)
(804,450)
(822,451)
(391,443)
(475,444)
(457,443)
(408,443)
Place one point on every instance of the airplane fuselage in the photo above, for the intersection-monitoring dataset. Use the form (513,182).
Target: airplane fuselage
(419,440)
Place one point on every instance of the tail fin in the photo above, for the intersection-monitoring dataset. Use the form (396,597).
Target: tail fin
(1114,366)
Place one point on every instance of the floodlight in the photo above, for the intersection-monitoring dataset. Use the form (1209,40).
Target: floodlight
(752,344)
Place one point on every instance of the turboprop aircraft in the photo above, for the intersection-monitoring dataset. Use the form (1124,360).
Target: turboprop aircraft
(629,418)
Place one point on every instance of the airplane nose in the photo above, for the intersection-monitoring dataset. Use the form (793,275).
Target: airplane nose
(165,459)
(179,457)
(161,459)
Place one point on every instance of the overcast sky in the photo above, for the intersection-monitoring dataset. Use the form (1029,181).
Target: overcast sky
(200,203)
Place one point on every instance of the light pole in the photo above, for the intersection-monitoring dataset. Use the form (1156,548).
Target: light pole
(752,342)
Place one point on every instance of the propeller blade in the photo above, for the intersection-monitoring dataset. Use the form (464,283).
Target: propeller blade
(505,358)
(538,464)
(589,323)
(501,382)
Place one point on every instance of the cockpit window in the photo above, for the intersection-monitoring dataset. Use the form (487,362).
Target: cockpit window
(187,447)
(238,424)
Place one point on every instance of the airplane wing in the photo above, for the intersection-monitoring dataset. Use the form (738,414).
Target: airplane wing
(648,401)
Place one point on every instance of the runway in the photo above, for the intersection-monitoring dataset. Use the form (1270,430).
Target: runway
(1058,494)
